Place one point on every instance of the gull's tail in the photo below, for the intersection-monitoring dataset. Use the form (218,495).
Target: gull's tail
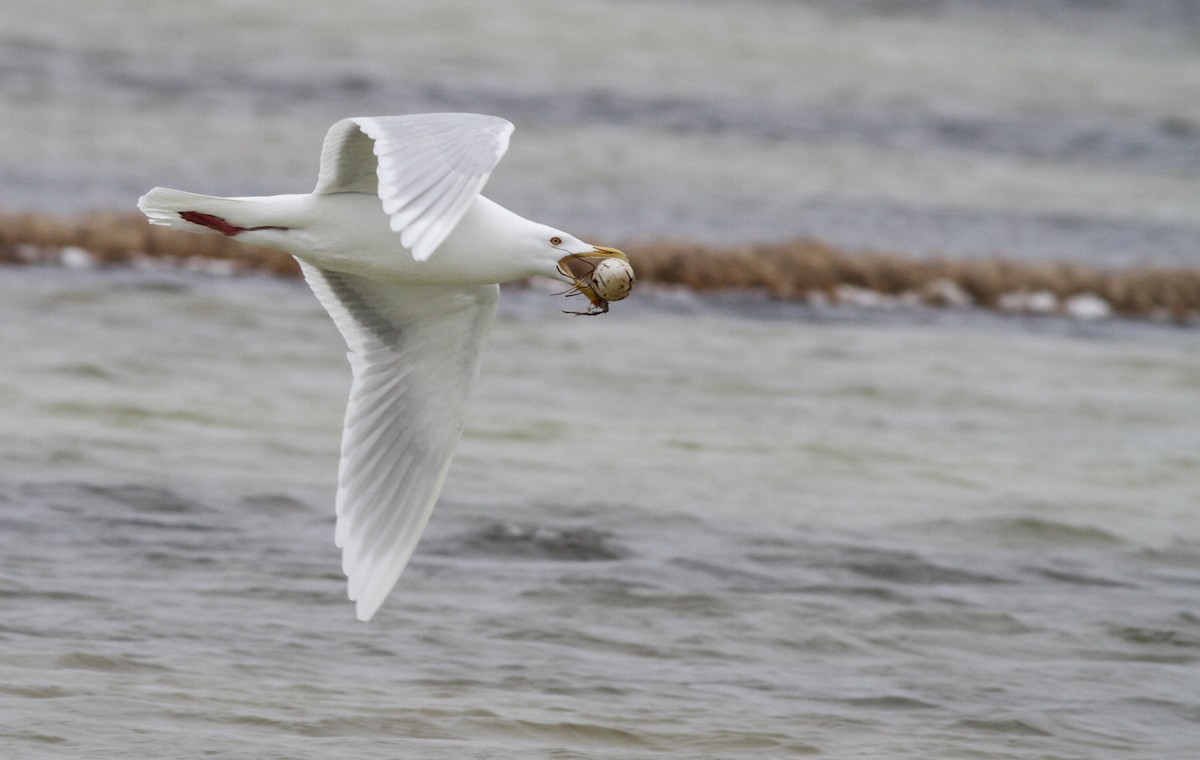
(194,212)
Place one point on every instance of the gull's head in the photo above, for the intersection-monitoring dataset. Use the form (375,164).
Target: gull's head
(602,274)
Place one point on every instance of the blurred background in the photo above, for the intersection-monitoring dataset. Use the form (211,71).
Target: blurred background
(1037,128)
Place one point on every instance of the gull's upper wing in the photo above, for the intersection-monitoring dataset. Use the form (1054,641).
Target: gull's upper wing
(414,353)
(426,168)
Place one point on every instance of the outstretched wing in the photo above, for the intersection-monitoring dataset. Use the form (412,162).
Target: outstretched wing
(414,353)
(426,168)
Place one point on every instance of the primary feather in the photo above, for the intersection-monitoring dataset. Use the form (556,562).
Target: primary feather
(427,168)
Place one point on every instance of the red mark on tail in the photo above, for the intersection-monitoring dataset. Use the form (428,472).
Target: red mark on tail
(220,225)
(212,222)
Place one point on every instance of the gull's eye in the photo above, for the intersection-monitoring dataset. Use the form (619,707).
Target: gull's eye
(556,240)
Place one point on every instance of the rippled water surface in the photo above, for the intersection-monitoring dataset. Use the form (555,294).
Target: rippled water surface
(687,529)
(693,528)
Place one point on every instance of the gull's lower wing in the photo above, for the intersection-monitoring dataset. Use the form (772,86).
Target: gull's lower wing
(415,353)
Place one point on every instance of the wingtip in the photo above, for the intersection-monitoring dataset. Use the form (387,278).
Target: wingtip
(366,607)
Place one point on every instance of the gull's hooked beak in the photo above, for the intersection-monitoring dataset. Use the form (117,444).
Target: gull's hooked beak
(603,275)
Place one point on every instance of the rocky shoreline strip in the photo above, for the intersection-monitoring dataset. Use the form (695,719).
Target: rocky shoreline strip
(796,270)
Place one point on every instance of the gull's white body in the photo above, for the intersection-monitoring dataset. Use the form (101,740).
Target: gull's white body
(346,232)
(412,287)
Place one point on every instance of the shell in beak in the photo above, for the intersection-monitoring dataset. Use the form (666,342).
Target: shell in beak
(603,275)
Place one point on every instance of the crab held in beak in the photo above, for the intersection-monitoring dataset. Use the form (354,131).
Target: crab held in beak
(603,275)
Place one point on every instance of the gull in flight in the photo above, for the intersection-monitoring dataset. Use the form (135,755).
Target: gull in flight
(406,256)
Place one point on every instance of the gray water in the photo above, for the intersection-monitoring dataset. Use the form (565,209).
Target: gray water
(684,530)
(1041,128)
(708,528)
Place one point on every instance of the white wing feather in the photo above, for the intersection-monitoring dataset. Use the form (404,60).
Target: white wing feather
(414,353)
(426,168)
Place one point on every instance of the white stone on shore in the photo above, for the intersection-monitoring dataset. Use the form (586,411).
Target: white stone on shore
(1087,306)
(1022,302)
(853,295)
(946,292)
(73,257)
(213,267)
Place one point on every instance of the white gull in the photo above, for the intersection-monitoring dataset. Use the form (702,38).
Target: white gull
(406,256)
